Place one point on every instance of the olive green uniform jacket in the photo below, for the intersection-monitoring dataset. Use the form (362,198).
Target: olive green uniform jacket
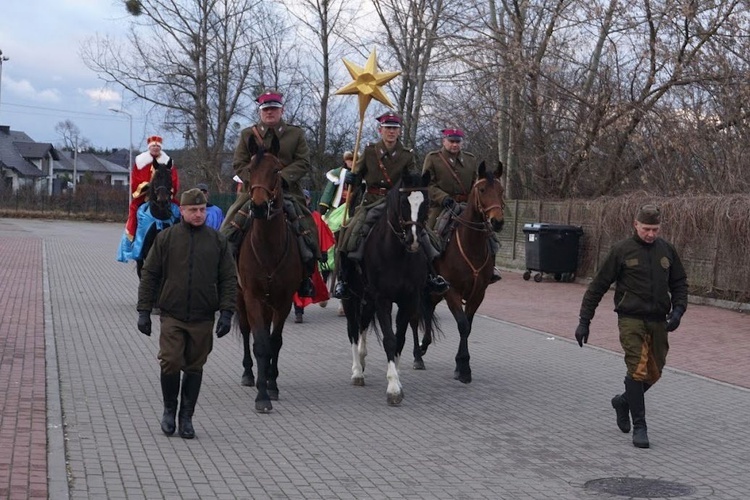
(650,280)
(394,164)
(294,154)
(189,274)
(451,176)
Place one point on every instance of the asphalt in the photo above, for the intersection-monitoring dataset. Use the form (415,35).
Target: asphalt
(81,400)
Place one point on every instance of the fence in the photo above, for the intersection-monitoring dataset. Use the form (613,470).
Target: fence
(711,234)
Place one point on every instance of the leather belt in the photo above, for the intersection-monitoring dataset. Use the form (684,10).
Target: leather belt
(377,190)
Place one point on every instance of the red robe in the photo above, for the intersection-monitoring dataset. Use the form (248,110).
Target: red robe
(140,176)
(327,240)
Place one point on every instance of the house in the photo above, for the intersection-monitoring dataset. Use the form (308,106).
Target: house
(25,163)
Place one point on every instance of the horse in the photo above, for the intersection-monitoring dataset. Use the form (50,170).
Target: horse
(467,264)
(393,270)
(269,272)
(157,212)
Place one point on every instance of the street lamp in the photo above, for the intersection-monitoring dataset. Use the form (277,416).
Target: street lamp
(130,145)
(2,59)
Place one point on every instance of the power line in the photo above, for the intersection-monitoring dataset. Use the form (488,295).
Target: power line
(47,111)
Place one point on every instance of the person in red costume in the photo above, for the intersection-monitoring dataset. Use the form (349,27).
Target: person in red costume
(140,176)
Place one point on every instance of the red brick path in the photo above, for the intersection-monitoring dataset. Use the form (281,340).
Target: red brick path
(23,438)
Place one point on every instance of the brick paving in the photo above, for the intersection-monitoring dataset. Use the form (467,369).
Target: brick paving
(534,424)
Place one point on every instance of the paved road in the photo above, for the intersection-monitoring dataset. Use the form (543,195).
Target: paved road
(534,424)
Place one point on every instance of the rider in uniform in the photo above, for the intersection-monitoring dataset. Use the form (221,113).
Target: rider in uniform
(380,167)
(294,155)
(452,175)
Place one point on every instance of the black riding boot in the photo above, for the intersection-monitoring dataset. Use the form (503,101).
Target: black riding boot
(495,275)
(191,387)
(341,290)
(306,287)
(634,393)
(170,390)
(436,283)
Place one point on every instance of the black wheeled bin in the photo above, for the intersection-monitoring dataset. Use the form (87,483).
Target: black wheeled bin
(551,249)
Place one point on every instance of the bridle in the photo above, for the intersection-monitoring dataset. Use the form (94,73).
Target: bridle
(272,208)
(403,226)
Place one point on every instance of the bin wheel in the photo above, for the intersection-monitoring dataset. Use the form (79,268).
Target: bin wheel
(538,277)
(527,275)
(559,277)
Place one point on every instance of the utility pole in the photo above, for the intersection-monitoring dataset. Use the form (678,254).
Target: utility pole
(130,144)
(75,164)
(2,60)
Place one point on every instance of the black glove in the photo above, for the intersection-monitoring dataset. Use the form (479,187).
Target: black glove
(582,332)
(351,178)
(144,322)
(448,202)
(224,324)
(673,318)
(322,209)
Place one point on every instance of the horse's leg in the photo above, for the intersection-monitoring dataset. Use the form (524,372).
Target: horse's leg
(262,351)
(248,379)
(417,351)
(357,338)
(429,305)
(277,340)
(463,369)
(394,393)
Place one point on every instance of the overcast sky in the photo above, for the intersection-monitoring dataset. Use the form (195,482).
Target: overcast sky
(45,81)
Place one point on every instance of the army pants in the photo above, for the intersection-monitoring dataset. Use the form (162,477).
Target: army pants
(646,344)
(184,346)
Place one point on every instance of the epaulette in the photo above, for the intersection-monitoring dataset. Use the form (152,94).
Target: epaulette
(468,154)
(432,153)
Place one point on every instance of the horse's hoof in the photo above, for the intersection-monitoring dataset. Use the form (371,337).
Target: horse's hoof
(263,406)
(418,364)
(358,381)
(465,379)
(395,399)
(273,395)
(248,380)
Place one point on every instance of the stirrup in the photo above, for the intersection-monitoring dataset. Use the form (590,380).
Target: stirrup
(341,291)
(495,275)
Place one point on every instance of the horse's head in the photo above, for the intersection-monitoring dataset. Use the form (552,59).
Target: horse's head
(263,176)
(407,206)
(487,196)
(160,188)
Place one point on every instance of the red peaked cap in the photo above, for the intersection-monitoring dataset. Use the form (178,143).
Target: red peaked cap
(455,133)
(389,119)
(154,139)
(270,99)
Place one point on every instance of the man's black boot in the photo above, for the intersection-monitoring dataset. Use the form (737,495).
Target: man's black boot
(620,404)
(170,390)
(437,284)
(191,387)
(634,393)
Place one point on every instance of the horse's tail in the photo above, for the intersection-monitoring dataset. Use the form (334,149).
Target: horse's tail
(427,316)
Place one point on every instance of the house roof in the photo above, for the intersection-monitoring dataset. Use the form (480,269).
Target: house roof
(12,146)
(88,162)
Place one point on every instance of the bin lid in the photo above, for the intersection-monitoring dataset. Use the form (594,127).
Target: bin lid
(545,227)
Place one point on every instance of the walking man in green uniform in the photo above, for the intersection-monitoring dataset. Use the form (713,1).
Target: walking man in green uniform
(294,155)
(452,175)
(650,298)
(380,167)
(189,274)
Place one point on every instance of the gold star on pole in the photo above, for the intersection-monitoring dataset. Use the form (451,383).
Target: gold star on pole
(368,83)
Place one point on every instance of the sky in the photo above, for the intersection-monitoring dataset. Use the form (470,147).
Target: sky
(45,81)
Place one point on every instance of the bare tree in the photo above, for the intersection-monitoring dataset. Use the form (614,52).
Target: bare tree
(71,136)
(193,59)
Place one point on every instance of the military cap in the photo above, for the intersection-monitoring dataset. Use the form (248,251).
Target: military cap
(389,119)
(649,214)
(202,187)
(270,99)
(452,133)
(193,197)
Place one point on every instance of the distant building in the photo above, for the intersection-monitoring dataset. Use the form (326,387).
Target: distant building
(40,166)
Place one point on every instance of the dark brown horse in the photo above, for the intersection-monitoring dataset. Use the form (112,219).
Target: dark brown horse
(467,264)
(269,272)
(158,212)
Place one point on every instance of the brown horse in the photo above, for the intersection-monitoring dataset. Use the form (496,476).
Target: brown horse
(467,264)
(269,272)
